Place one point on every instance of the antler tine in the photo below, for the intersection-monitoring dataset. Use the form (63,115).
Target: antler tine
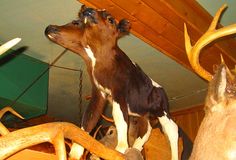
(3,129)
(8,45)
(9,109)
(208,37)
(215,20)
(54,132)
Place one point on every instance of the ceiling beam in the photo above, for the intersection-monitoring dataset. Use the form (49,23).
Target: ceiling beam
(160,24)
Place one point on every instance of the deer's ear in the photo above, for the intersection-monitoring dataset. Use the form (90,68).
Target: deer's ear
(123,27)
(217,87)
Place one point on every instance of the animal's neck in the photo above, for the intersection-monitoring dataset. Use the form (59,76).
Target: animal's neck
(99,58)
(102,54)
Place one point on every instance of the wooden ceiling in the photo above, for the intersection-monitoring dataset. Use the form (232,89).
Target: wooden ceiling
(160,24)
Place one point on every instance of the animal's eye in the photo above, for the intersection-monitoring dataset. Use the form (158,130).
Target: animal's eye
(111,20)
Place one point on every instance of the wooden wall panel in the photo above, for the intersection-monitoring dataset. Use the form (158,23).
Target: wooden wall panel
(158,147)
(189,120)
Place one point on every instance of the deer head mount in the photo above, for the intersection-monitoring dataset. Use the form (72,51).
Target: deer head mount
(222,84)
(216,135)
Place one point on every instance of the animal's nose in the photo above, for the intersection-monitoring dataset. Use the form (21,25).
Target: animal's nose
(51,29)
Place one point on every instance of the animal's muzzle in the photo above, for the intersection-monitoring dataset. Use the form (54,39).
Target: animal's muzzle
(51,29)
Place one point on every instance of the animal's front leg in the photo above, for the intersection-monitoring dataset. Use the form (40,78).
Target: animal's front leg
(93,111)
(139,142)
(90,119)
(171,130)
(120,116)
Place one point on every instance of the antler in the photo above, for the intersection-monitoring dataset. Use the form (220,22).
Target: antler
(211,34)
(3,129)
(54,133)
(9,44)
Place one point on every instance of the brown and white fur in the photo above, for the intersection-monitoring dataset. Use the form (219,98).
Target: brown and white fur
(113,75)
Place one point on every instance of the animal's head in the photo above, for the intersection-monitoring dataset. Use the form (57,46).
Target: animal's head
(221,90)
(222,86)
(93,27)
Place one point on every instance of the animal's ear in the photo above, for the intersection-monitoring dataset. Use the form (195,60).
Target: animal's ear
(82,8)
(217,87)
(222,87)
(123,27)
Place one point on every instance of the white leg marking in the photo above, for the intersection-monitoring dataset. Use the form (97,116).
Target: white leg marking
(139,142)
(76,151)
(121,126)
(171,130)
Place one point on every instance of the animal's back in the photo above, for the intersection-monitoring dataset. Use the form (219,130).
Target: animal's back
(144,95)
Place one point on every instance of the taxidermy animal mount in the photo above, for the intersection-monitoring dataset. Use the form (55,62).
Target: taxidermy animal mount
(216,137)
(114,76)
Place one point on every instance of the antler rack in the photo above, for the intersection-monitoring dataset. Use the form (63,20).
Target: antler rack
(54,132)
(209,36)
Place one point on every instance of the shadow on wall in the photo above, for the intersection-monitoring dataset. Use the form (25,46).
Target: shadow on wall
(10,54)
(63,100)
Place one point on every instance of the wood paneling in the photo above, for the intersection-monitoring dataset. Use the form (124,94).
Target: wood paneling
(189,120)
(160,24)
(158,147)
